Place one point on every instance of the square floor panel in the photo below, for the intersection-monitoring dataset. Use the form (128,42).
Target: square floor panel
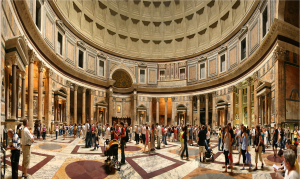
(153,163)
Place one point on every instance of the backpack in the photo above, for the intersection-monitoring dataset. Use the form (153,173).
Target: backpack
(19,133)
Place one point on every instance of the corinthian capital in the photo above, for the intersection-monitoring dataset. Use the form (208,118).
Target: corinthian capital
(255,76)
(240,85)
(279,53)
(68,84)
(31,56)
(249,80)
(41,66)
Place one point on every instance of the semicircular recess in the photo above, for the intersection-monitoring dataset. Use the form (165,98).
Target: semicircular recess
(123,80)
(184,28)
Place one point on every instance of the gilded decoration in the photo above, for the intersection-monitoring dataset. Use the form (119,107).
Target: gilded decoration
(122,79)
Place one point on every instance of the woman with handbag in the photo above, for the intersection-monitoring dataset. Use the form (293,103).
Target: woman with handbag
(244,141)
(227,138)
(258,148)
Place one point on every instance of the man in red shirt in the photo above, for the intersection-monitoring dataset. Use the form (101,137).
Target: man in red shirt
(123,139)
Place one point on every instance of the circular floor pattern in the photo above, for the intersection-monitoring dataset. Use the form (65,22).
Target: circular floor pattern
(191,151)
(272,159)
(213,175)
(132,148)
(50,146)
(86,169)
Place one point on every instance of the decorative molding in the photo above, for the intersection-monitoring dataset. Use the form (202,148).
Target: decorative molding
(41,66)
(68,84)
(49,73)
(101,55)
(191,98)
(83,89)
(173,99)
(279,53)
(61,25)
(243,31)
(142,65)
(255,75)
(249,80)
(240,85)
(150,99)
(213,94)
(166,99)
(262,5)
(222,49)
(182,64)
(231,89)
(81,45)
(31,56)
(206,96)
(202,58)
(92,92)
(75,87)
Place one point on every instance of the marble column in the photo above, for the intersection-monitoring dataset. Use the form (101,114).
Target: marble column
(198,110)
(206,108)
(191,110)
(266,109)
(256,117)
(173,111)
(97,115)
(232,94)
(240,86)
(23,96)
(166,111)
(123,107)
(75,104)
(68,102)
(134,108)
(31,56)
(91,112)
(14,92)
(83,105)
(18,92)
(249,113)
(213,110)
(269,107)
(41,66)
(150,111)
(48,99)
(7,100)
(111,106)
(157,110)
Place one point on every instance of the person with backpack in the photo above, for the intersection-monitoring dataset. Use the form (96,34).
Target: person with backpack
(123,139)
(201,143)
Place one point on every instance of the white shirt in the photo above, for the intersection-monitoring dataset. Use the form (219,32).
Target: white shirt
(26,137)
(208,136)
(83,127)
(144,130)
(56,128)
(253,132)
(159,131)
(130,129)
(107,133)
(292,175)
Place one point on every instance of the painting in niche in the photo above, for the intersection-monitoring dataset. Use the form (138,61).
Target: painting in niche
(118,109)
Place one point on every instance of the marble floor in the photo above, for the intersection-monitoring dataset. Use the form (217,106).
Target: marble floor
(63,159)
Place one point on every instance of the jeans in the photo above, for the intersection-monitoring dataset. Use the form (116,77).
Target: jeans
(185,149)
(158,142)
(44,135)
(282,143)
(56,132)
(164,139)
(219,144)
(78,133)
(95,140)
(88,140)
(122,152)
(38,134)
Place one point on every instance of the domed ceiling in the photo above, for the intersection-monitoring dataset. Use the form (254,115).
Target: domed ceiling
(148,29)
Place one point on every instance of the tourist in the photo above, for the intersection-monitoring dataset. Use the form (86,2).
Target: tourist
(108,133)
(281,169)
(288,143)
(19,131)
(262,139)
(258,148)
(123,136)
(181,139)
(190,131)
(38,131)
(223,135)
(95,136)
(226,141)
(288,133)
(83,131)
(136,136)
(239,135)
(296,135)
(103,131)
(153,134)
(44,132)
(75,130)
(253,136)
(130,132)
(159,134)
(78,130)
(143,129)
(201,143)
(15,152)
(175,133)
(56,131)
(27,140)
(266,138)
(294,148)
(244,140)
(208,135)
(219,139)
(275,140)
(63,130)
(231,141)
(289,162)
(185,144)
(88,142)
(282,138)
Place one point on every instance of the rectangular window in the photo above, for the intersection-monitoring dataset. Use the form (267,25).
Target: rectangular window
(182,73)
(59,43)
(80,59)
(202,71)
(101,68)
(265,21)
(222,63)
(38,14)
(243,49)
(142,76)
(162,75)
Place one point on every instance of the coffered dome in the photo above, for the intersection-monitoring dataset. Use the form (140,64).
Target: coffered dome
(148,29)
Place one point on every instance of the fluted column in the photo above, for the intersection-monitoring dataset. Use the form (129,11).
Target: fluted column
(173,111)
(91,112)
(123,107)
(41,66)
(157,110)
(48,98)
(266,109)
(256,117)
(110,103)
(191,110)
(68,107)
(75,104)
(213,110)
(249,114)
(198,110)
(23,94)
(150,110)
(31,56)
(83,105)
(7,100)
(206,108)
(166,111)
(134,107)
(97,115)
(14,92)
(231,91)
(240,86)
